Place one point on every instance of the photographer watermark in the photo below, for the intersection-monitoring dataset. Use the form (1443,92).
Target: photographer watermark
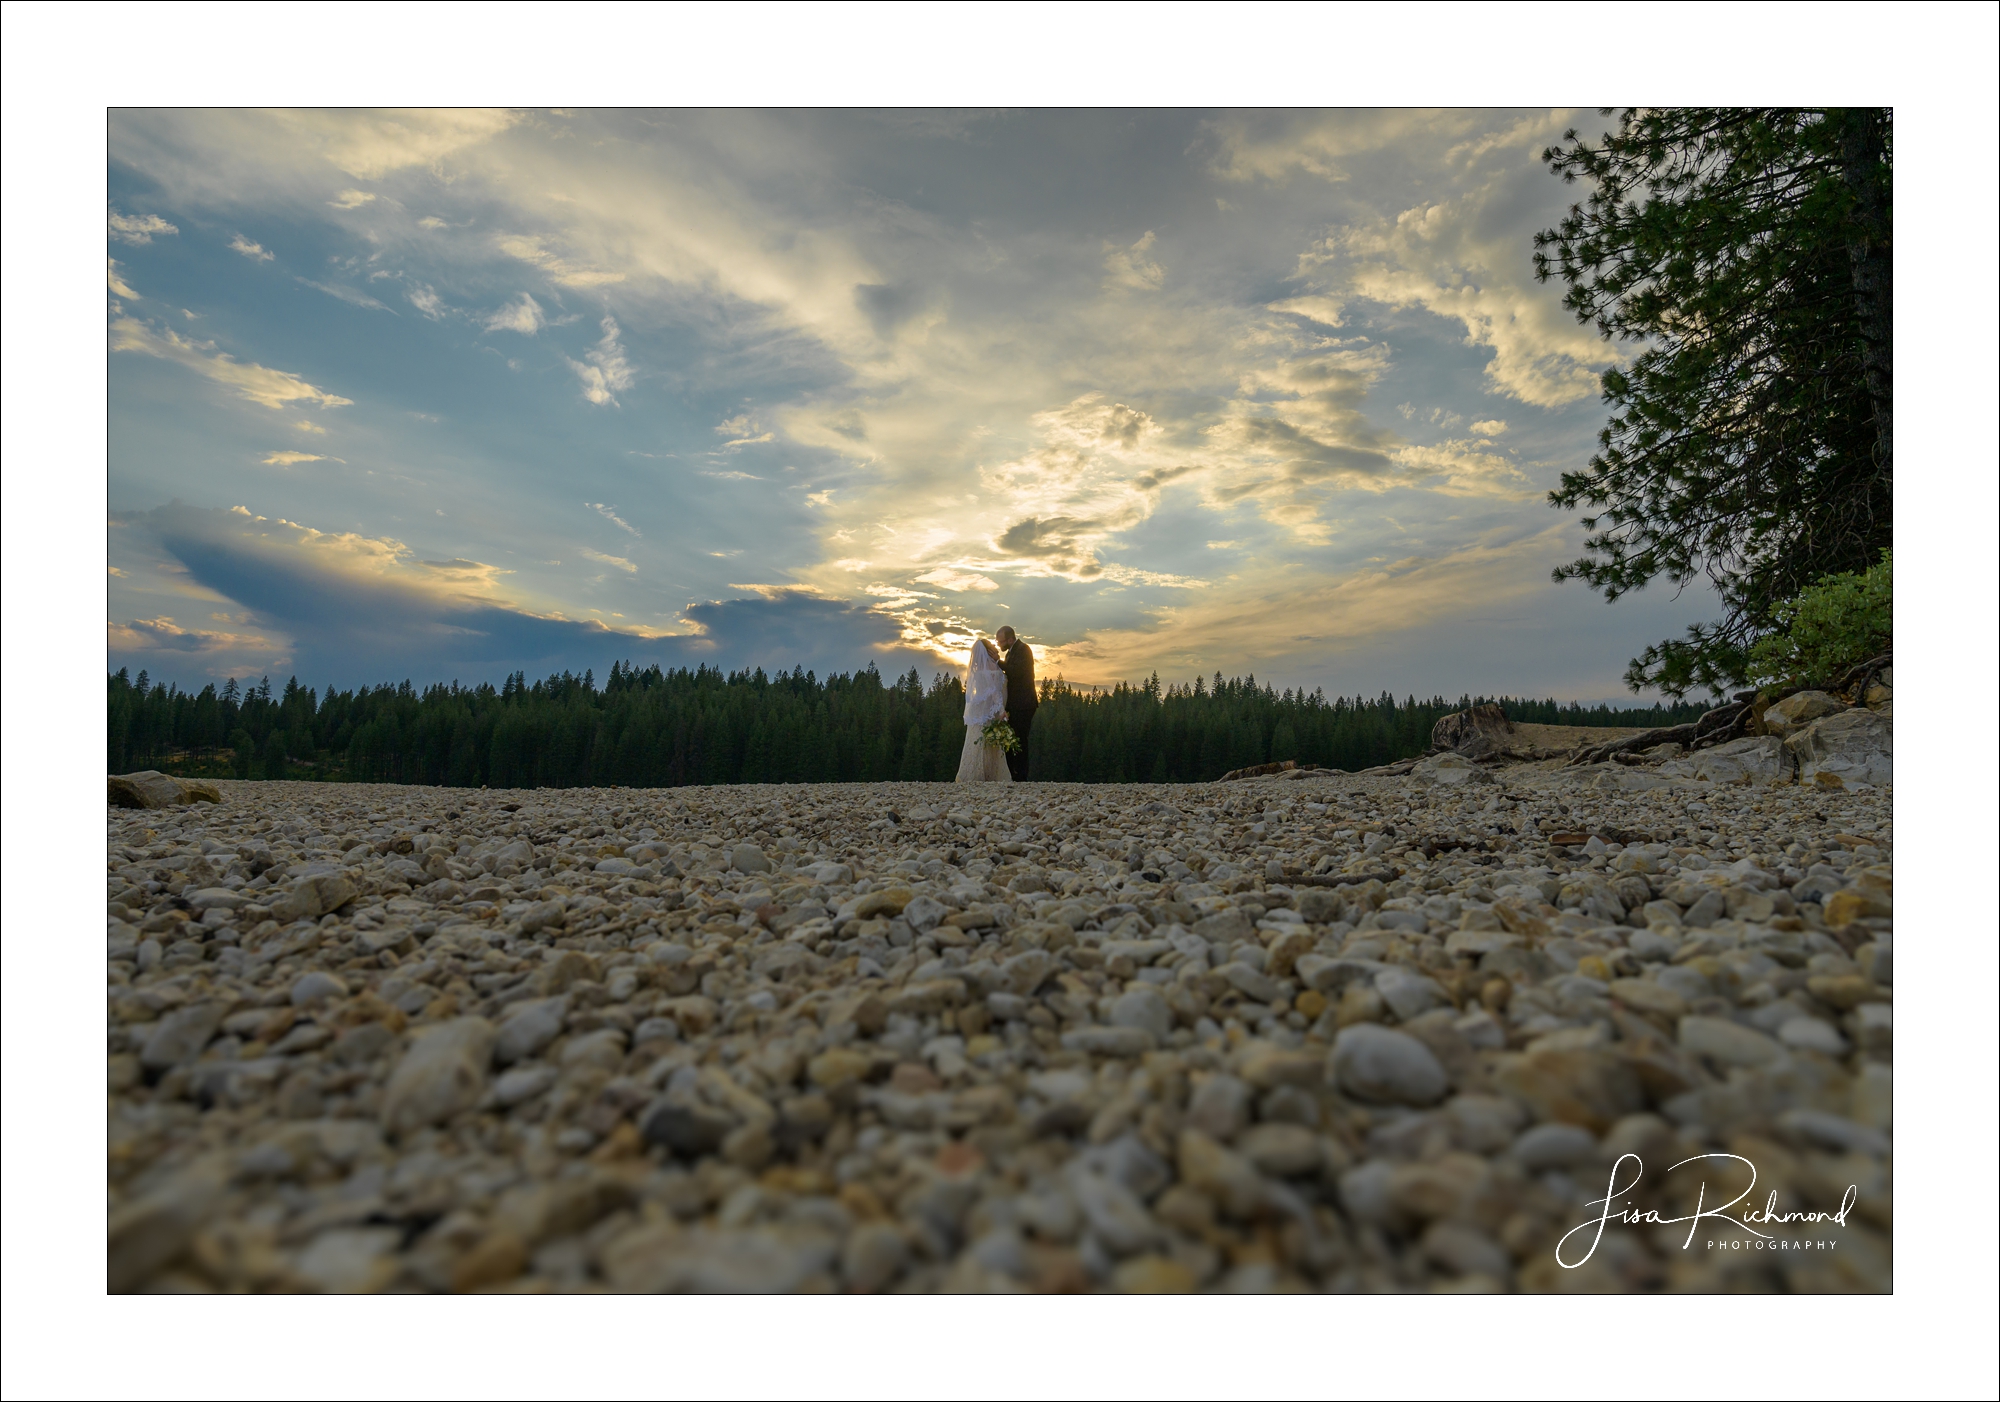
(1748,1222)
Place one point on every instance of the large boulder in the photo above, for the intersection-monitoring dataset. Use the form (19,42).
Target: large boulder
(149,788)
(1788,717)
(1755,759)
(1475,732)
(1450,769)
(1852,747)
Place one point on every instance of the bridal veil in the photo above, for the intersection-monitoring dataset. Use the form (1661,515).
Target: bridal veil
(985,687)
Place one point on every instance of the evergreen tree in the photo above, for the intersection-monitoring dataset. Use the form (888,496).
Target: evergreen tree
(1750,441)
(274,755)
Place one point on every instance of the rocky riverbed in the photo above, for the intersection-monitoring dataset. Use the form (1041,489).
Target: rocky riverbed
(1310,1032)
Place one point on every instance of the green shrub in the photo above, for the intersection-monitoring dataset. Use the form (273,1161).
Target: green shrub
(1843,620)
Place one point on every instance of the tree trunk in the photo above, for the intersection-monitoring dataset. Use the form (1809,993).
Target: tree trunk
(1865,170)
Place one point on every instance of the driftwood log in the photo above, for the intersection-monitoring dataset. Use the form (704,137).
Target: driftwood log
(1391,771)
(1712,729)
(1252,771)
(1731,721)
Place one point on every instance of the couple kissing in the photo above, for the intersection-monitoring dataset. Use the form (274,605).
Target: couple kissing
(999,710)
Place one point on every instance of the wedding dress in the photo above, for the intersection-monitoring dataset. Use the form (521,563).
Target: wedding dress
(985,699)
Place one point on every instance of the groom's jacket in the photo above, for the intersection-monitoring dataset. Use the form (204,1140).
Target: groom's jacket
(1020,669)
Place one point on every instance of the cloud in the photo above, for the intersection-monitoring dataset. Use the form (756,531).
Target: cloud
(138,228)
(116,283)
(524,316)
(255,252)
(308,426)
(607,370)
(1490,428)
(745,430)
(287,458)
(273,389)
(1327,311)
(364,610)
(368,145)
(782,627)
(1296,430)
(925,331)
(163,635)
(462,574)
(426,301)
(618,560)
(351,199)
(347,294)
(610,513)
(567,271)
(1130,267)
(1097,469)
(958,581)
(1061,543)
(1275,144)
(1461,467)
(1464,258)
(1254,619)
(888,306)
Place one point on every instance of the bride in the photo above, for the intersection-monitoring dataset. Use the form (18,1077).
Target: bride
(985,700)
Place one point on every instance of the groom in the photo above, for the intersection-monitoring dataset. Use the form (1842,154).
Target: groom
(1019,665)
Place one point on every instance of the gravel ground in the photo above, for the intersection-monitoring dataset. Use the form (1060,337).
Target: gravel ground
(917,1037)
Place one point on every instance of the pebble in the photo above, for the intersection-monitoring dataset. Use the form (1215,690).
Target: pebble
(1153,1275)
(1729,1043)
(1144,1009)
(1220,1107)
(180,1035)
(873,1257)
(529,1027)
(443,1073)
(1811,1034)
(1102,1038)
(349,1260)
(317,987)
(1385,1066)
(1554,1146)
(1281,1150)
(522,1083)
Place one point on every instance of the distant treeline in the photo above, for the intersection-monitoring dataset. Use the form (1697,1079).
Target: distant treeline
(649,728)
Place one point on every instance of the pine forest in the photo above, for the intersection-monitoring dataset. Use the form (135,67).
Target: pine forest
(653,728)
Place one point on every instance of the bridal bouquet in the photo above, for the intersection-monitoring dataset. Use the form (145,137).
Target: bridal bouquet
(999,735)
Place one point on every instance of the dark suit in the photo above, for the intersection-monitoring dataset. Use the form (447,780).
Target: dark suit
(1019,665)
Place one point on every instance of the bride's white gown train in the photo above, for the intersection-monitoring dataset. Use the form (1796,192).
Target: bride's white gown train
(985,698)
(982,764)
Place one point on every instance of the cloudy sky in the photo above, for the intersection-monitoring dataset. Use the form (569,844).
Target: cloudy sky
(449,394)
